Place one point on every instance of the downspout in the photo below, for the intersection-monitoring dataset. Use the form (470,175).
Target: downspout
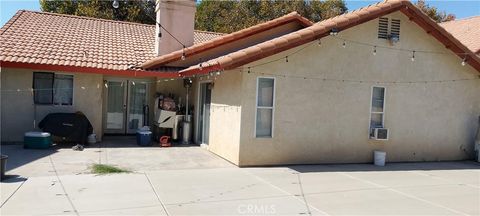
(477,142)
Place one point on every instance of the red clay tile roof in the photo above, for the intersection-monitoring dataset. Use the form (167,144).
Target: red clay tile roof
(466,31)
(227,38)
(65,40)
(204,36)
(323,28)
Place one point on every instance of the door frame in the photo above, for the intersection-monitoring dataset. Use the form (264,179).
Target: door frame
(197,111)
(128,108)
(105,105)
(126,98)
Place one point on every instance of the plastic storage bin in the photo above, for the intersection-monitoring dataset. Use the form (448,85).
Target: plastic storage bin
(37,140)
(379,158)
(144,138)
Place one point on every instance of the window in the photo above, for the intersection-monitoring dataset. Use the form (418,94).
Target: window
(377,111)
(51,88)
(265,107)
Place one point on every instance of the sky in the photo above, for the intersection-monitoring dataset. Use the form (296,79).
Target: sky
(461,8)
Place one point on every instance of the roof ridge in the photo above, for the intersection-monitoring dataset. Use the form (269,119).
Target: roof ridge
(212,32)
(87,17)
(227,38)
(462,19)
(10,22)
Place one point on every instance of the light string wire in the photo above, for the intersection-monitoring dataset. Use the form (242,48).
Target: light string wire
(105,84)
(398,49)
(215,74)
(157,2)
(374,48)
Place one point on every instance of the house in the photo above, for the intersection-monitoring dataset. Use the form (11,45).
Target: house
(287,91)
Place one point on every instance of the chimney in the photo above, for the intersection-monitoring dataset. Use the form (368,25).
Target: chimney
(178,18)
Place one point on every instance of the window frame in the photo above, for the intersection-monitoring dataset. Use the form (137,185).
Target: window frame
(264,107)
(371,106)
(53,84)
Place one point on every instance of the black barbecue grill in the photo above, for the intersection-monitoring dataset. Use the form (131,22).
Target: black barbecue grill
(73,127)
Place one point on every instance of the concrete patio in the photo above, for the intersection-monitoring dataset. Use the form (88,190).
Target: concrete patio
(116,150)
(193,181)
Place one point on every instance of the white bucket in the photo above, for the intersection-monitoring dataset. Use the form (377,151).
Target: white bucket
(92,138)
(379,158)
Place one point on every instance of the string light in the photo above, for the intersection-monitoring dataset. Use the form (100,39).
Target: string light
(369,81)
(334,32)
(115,4)
(183,54)
(217,73)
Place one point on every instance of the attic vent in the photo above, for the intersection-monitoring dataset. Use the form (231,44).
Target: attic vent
(395,28)
(383,28)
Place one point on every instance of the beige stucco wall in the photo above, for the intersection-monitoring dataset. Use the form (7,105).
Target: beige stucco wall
(18,110)
(318,121)
(225,113)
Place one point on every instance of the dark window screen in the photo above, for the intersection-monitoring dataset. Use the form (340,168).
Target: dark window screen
(43,88)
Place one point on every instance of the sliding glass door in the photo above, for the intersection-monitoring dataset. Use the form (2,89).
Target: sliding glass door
(125,105)
(137,100)
(116,107)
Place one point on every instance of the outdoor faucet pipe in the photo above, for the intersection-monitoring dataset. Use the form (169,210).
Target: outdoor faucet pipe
(186,107)
(187,83)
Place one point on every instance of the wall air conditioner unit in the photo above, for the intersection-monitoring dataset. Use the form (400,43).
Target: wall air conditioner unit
(380,133)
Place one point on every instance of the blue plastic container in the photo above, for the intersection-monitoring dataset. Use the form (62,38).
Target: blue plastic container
(144,138)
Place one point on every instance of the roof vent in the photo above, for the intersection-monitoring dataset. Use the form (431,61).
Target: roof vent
(383,28)
(395,28)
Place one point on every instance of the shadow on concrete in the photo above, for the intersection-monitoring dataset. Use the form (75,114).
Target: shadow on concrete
(129,142)
(410,166)
(13,179)
(19,156)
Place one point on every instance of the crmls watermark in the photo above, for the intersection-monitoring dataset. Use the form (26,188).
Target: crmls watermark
(256,209)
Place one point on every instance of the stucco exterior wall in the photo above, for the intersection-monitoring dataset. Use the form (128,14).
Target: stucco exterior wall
(225,114)
(318,121)
(18,111)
